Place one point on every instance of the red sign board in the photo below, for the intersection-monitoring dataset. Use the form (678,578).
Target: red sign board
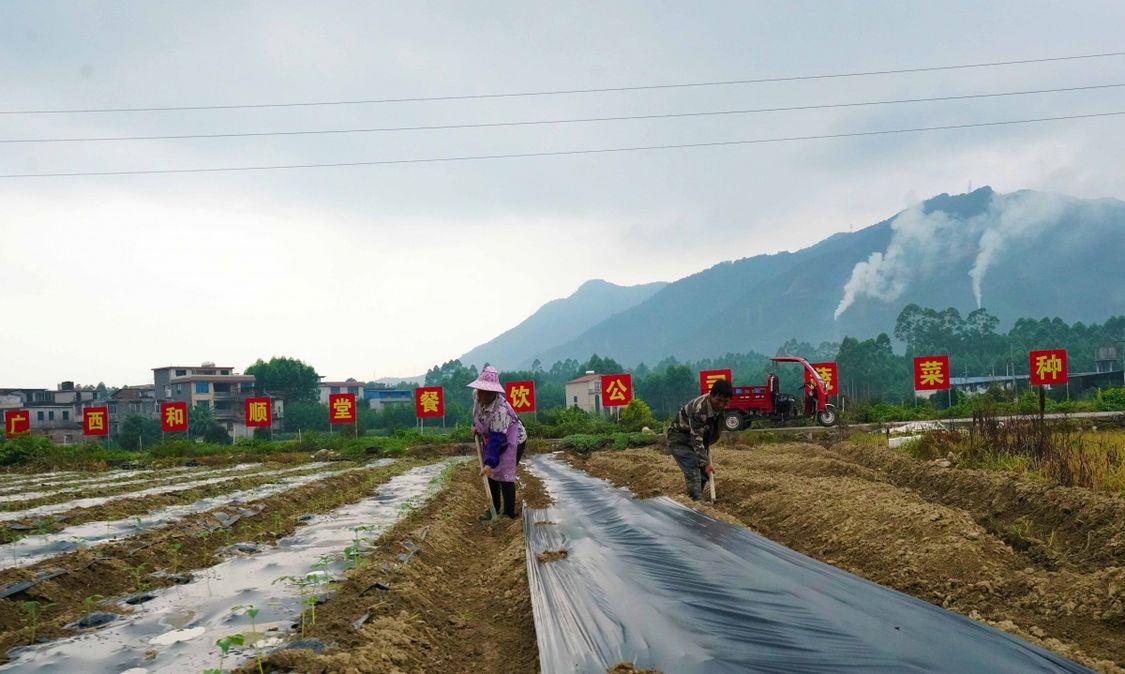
(95,421)
(17,422)
(931,373)
(830,373)
(258,412)
(1047,366)
(173,417)
(341,408)
(429,401)
(521,395)
(709,377)
(617,389)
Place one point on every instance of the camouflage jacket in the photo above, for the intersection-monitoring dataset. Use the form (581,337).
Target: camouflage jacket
(697,425)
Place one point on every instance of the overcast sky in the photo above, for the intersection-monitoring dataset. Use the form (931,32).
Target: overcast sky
(378,271)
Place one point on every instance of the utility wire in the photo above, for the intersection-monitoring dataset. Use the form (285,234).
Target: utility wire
(580,120)
(560,153)
(560,92)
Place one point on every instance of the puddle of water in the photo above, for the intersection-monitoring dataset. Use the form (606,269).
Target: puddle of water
(222,475)
(34,549)
(259,579)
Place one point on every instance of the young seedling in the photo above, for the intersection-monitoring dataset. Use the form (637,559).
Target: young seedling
(225,645)
(88,602)
(33,611)
(138,573)
(174,555)
(310,602)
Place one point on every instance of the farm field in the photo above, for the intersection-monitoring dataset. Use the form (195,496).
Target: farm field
(383,566)
(1037,560)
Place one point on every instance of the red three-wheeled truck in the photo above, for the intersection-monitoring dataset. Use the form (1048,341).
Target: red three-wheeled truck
(768,402)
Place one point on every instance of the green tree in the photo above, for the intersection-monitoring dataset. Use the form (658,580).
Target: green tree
(200,419)
(306,416)
(290,378)
(138,432)
(636,415)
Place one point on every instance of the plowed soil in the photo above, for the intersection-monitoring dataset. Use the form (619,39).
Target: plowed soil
(1039,561)
(127,566)
(460,603)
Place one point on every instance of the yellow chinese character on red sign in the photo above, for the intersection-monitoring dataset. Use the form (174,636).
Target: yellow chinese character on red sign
(429,401)
(1048,366)
(520,397)
(343,408)
(616,390)
(931,372)
(825,374)
(174,416)
(259,412)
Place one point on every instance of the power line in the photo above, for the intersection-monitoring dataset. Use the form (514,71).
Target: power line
(580,120)
(560,92)
(560,153)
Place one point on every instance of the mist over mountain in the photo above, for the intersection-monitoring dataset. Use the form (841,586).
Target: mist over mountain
(1023,254)
(559,321)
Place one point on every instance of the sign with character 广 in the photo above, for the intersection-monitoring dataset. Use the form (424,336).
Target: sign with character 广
(17,422)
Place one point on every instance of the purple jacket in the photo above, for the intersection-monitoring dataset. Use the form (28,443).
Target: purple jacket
(501,430)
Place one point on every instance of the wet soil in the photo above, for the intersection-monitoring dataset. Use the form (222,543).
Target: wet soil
(459,604)
(943,535)
(196,542)
(59,493)
(128,507)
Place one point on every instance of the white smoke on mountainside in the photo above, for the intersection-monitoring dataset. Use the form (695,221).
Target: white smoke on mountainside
(922,244)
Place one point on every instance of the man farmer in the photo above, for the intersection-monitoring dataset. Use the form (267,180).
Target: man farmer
(695,429)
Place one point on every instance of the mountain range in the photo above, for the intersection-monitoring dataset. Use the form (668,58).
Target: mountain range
(1021,254)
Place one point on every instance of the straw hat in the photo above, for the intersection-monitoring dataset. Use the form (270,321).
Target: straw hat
(489,380)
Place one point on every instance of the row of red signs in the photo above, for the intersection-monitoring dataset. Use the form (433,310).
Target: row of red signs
(1046,367)
(173,418)
(931,373)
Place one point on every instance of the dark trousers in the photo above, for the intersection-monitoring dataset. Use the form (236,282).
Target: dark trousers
(508,491)
(689,462)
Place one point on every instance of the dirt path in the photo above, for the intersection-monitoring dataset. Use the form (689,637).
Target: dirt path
(844,507)
(460,604)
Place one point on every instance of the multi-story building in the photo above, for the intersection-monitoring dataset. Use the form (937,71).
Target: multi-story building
(56,414)
(585,392)
(219,388)
(379,396)
(131,401)
(327,388)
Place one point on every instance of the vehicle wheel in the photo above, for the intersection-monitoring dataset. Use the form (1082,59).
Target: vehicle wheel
(732,421)
(827,417)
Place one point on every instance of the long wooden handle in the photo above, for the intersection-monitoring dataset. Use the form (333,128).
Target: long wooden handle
(711,477)
(484,479)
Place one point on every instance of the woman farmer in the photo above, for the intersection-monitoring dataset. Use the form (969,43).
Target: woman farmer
(503,436)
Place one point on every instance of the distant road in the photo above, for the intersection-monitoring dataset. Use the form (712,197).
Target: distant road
(947,422)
